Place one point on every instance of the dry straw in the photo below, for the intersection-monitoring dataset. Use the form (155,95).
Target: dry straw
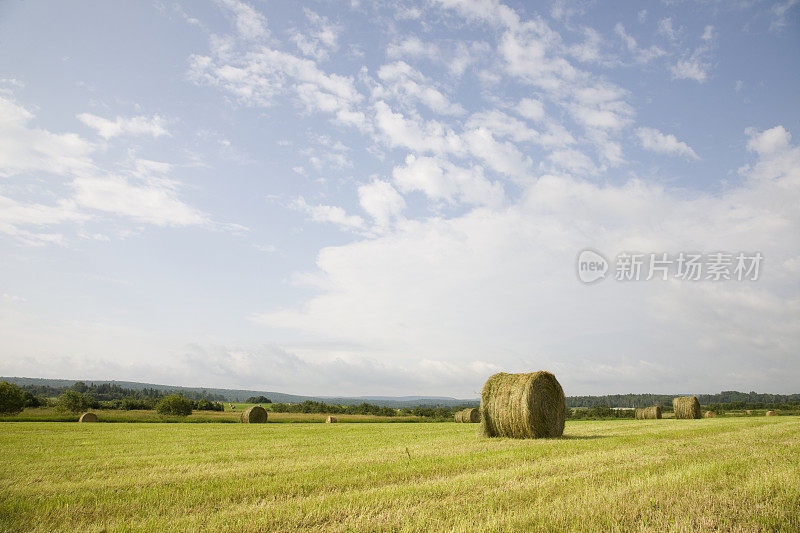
(648,413)
(331,420)
(88,417)
(711,414)
(771,413)
(254,415)
(523,406)
(686,407)
(470,416)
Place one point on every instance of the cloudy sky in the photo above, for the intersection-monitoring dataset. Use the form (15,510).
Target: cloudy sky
(350,198)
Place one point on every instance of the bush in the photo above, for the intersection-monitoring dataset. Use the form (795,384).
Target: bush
(75,402)
(174,405)
(207,405)
(12,398)
(258,399)
(32,400)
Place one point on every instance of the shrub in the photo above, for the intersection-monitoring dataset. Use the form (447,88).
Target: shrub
(258,399)
(174,405)
(75,402)
(31,400)
(12,398)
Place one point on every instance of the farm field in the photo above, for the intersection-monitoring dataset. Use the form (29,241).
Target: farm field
(729,474)
(45,414)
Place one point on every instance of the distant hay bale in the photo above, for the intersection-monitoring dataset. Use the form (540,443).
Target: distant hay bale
(648,413)
(523,406)
(88,417)
(254,415)
(749,412)
(470,416)
(331,420)
(771,413)
(686,407)
(710,414)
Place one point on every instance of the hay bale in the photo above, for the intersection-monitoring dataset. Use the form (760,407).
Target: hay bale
(648,413)
(710,414)
(331,420)
(749,412)
(470,416)
(771,413)
(88,417)
(523,406)
(686,407)
(254,415)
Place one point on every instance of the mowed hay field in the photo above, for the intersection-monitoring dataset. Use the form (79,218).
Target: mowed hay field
(659,475)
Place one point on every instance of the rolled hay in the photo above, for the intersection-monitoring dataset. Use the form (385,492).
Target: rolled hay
(470,416)
(88,417)
(771,413)
(749,412)
(710,414)
(686,407)
(331,420)
(254,415)
(522,406)
(648,413)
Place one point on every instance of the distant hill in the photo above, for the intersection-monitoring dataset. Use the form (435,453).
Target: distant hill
(240,395)
(609,400)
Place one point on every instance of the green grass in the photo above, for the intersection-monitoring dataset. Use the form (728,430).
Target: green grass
(658,475)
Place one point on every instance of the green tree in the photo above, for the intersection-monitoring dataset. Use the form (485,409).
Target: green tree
(74,401)
(174,405)
(12,398)
(80,386)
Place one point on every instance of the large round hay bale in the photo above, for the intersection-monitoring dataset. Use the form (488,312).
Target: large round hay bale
(771,413)
(331,420)
(88,417)
(648,413)
(710,414)
(254,415)
(749,412)
(523,406)
(686,407)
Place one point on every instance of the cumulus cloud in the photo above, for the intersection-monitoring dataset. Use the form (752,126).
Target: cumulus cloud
(433,287)
(653,140)
(381,201)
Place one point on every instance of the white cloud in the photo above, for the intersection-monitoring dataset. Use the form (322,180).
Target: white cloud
(142,191)
(655,141)
(321,38)
(413,47)
(381,201)
(432,287)
(665,28)
(415,134)
(24,148)
(155,202)
(141,125)
(250,24)
(329,213)
(408,85)
(531,109)
(441,180)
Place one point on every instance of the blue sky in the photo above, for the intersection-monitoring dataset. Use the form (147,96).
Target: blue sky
(388,198)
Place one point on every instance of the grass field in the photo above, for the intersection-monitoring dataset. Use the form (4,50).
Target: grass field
(659,475)
(49,414)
